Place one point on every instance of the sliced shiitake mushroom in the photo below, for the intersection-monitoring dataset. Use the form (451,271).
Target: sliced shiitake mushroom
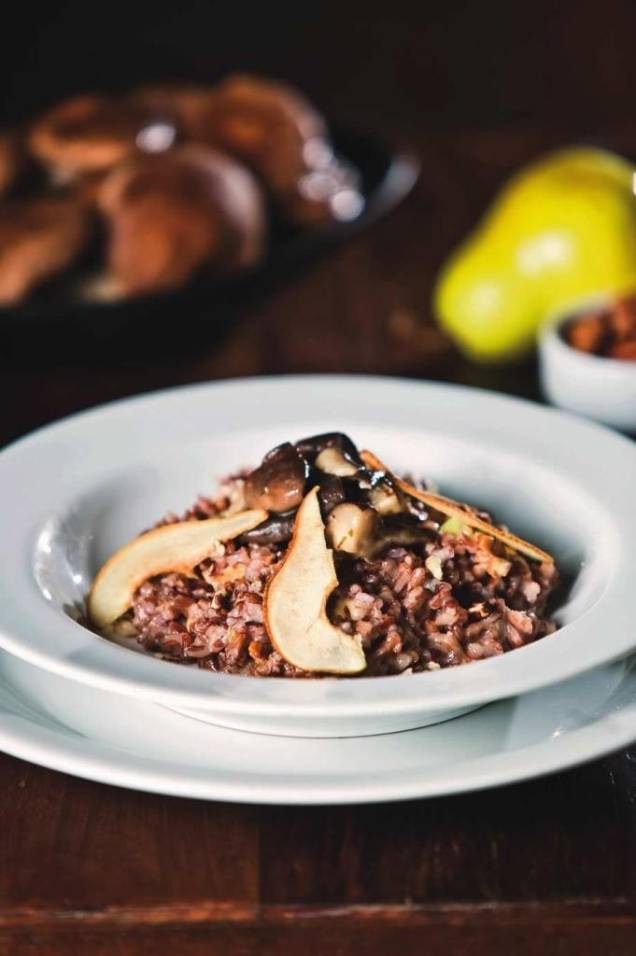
(173,547)
(331,493)
(352,529)
(384,498)
(360,530)
(400,529)
(278,484)
(310,448)
(295,605)
(453,509)
(276,529)
(332,461)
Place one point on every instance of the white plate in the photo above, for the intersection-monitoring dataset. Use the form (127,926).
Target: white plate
(133,743)
(74,491)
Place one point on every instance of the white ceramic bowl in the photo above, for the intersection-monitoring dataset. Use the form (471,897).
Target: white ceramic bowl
(592,385)
(75,491)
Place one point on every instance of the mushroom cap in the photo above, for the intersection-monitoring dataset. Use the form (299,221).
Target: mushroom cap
(172,213)
(267,124)
(277,133)
(175,547)
(38,238)
(86,134)
(278,484)
(263,123)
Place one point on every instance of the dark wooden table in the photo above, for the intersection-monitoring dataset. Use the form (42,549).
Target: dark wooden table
(543,867)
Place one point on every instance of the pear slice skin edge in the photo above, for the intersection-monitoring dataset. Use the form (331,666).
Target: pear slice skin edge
(453,509)
(177,547)
(295,605)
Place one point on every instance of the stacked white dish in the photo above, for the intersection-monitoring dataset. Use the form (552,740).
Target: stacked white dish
(75,491)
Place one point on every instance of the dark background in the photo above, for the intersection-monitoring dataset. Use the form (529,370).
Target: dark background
(475,89)
(429,65)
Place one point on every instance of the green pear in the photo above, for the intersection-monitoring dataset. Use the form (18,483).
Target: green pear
(561,231)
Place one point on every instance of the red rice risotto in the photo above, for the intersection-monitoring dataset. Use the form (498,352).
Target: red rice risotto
(419,586)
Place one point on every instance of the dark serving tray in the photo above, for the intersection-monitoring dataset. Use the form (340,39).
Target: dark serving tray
(387,176)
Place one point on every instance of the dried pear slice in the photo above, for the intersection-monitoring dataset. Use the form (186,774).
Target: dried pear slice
(173,547)
(295,606)
(454,509)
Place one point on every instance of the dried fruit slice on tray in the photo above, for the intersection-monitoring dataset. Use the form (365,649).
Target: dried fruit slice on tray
(295,607)
(173,547)
(453,509)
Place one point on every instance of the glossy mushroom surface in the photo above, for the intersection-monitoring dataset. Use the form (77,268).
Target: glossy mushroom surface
(84,135)
(170,215)
(277,133)
(363,509)
(278,484)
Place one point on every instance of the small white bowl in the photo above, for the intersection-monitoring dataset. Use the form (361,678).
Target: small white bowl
(600,388)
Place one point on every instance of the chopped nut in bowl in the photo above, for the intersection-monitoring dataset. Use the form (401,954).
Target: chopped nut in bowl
(588,361)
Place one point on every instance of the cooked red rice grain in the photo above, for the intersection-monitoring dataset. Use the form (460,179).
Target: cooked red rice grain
(406,619)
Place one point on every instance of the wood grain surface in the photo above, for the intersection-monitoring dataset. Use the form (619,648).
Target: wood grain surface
(545,867)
